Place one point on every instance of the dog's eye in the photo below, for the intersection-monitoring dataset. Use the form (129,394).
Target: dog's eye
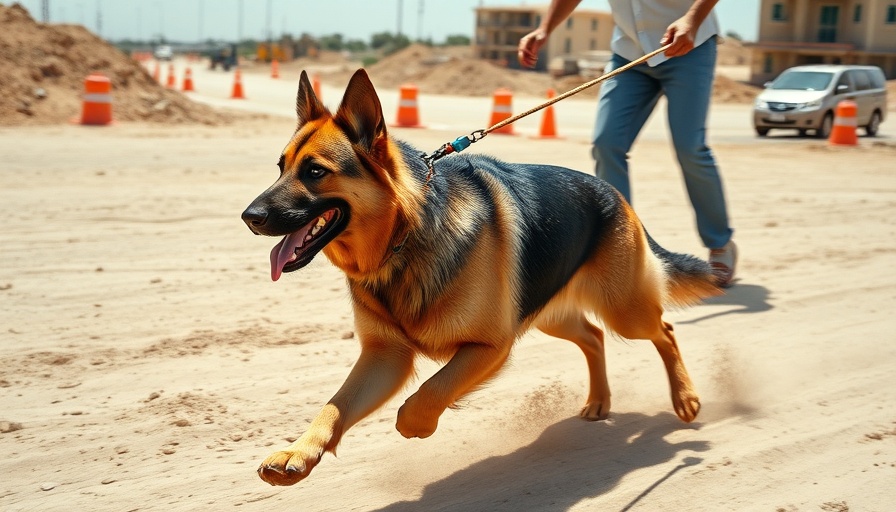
(316,172)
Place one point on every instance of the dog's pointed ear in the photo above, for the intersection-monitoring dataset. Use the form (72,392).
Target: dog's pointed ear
(360,113)
(308,106)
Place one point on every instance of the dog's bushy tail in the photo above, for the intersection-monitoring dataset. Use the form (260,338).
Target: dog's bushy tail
(689,279)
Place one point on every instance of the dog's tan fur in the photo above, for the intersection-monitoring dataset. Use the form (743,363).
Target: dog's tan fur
(470,319)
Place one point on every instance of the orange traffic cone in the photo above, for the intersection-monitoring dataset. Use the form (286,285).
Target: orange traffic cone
(502,109)
(188,80)
(315,86)
(844,130)
(172,81)
(275,69)
(156,74)
(97,102)
(408,114)
(548,129)
(237,85)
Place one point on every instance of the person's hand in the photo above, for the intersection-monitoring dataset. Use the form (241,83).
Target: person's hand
(529,47)
(681,33)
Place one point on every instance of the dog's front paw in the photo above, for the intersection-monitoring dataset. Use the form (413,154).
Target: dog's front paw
(289,467)
(687,405)
(416,421)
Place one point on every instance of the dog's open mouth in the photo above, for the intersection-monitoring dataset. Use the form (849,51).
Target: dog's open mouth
(297,249)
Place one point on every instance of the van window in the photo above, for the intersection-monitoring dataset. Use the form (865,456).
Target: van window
(877,79)
(861,79)
(844,80)
(803,80)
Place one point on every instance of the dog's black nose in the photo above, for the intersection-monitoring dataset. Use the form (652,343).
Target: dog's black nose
(255,217)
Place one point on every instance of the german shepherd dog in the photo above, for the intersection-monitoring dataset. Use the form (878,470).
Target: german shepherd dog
(458,267)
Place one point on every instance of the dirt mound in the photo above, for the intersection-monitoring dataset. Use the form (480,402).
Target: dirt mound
(451,71)
(42,71)
(726,90)
(732,52)
(891,95)
(454,71)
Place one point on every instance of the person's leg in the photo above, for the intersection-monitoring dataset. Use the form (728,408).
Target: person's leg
(687,83)
(624,104)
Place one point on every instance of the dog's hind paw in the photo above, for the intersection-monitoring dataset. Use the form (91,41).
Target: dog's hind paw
(415,421)
(288,467)
(597,410)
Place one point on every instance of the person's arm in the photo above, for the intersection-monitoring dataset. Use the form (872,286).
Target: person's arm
(682,32)
(532,42)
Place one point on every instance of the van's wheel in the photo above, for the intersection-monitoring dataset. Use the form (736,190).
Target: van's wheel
(873,125)
(762,132)
(827,124)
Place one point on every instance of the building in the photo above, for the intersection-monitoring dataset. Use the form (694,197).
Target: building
(499,30)
(794,32)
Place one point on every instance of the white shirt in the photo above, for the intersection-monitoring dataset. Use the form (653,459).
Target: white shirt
(640,24)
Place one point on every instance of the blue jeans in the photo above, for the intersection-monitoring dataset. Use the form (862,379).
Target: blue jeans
(626,102)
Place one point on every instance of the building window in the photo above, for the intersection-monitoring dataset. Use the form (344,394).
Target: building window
(827,24)
(593,44)
(593,25)
(569,23)
(567,45)
(778,13)
(891,14)
(768,63)
(857,14)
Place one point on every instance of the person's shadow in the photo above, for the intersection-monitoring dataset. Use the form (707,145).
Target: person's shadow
(570,461)
(752,299)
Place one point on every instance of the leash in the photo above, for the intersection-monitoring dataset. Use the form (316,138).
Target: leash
(464,141)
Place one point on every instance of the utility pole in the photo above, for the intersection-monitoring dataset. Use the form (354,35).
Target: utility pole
(45,10)
(399,18)
(99,19)
(200,20)
(161,22)
(270,32)
(239,34)
(419,20)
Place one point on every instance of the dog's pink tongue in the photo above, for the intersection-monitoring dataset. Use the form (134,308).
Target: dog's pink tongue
(283,253)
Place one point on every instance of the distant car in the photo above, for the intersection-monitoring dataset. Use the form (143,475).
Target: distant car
(164,52)
(806,97)
(224,56)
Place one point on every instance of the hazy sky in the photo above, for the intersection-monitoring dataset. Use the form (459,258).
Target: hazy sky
(180,20)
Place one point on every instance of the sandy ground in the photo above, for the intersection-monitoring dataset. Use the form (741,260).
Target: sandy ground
(149,363)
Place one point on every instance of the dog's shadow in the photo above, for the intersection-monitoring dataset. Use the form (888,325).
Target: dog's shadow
(570,461)
(750,297)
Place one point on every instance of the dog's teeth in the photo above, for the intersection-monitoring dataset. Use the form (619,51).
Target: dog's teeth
(321,222)
(307,238)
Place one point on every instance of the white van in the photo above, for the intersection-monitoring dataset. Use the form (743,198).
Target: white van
(164,52)
(806,97)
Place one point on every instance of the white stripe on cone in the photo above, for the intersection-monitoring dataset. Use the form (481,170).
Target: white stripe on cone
(846,121)
(98,98)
